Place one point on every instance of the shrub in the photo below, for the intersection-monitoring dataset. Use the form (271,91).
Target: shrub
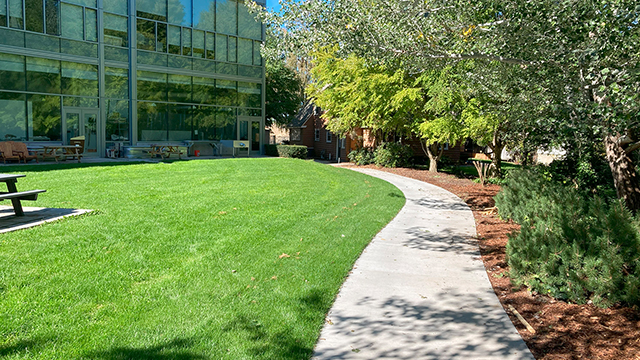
(271,150)
(363,156)
(393,155)
(570,246)
(292,151)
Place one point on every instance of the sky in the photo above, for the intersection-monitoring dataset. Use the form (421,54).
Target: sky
(273,4)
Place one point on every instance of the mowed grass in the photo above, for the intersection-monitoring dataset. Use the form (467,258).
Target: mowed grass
(220,259)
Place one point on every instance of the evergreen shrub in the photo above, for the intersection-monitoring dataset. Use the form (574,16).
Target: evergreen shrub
(393,154)
(570,246)
(363,156)
(292,151)
(271,150)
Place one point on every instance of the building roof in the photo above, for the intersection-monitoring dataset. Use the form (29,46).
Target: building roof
(307,111)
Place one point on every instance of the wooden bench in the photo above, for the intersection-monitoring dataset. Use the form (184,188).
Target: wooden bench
(165,151)
(16,197)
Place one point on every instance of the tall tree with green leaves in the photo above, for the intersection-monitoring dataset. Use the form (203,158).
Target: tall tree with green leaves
(284,93)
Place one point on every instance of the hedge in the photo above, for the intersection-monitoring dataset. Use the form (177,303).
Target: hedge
(292,151)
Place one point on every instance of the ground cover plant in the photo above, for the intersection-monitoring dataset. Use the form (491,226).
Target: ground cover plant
(209,259)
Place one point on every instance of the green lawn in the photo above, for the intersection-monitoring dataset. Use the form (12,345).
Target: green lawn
(184,260)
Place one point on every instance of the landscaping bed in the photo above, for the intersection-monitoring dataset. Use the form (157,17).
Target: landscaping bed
(563,330)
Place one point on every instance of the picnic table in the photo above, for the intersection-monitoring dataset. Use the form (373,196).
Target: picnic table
(15,196)
(65,151)
(165,151)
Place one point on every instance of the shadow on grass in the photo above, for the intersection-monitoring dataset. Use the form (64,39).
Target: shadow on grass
(177,349)
(22,347)
(67,166)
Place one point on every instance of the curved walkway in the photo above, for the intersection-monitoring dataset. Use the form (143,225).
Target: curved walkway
(420,290)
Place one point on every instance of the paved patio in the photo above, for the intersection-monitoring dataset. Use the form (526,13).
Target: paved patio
(33,216)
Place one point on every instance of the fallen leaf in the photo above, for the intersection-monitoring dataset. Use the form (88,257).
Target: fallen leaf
(233,271)
(283,256)
(274,278)
(329,322)
(222,213)
(253,279)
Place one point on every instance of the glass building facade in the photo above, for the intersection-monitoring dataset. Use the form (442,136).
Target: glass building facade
(133,72)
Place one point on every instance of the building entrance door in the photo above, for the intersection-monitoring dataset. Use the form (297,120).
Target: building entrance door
(82,122)
(249,129)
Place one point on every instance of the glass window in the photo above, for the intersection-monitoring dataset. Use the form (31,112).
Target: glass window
(174,40)
(152,86)
(227,19)
(52,16)
(204,123)
(152,58)
(161,43)
(227,93)
(152,9)
(13,118)
(248,26)
(221,47)
(152,121)
(44,118)
(186,41)
(226,123)
(204,90)
(3,13)
(91,25)
(72,26)
(204,14)
(16,18)
(116,6)
(210,46)
(116,30)
(146,34)
(179,122)
(79,79)
(12,72)
(35,17)
(179,88)
(116,54)
(117,124)
(81,48)
(257,57)
(232,56)
(42,42)
(91,3)
(227,69)
(43,75)
(250,71)
(245,51)
(249,95)
(180,12)
(116,82)
(198,43)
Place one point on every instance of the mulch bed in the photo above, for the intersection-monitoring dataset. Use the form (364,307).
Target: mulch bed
(563,330)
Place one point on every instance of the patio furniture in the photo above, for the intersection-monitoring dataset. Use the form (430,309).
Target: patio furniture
(240,144)
(78,141)
(20,149)
(15,196)
(64,151)
(6,152)
(165,151)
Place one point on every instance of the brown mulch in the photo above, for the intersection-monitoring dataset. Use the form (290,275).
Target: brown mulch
(563,330)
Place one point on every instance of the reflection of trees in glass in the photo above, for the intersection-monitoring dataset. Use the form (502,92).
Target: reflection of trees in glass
(152,121)
(227,19)
(115,30)
(43,75)
(45,117)
(204,121)
(13,120)
(198,43)
(179,88)
(52,16)
(3,13)
(116,83)
(204,90)
(227,93)
(248,26)
(117,124)
(180,12)
(146,34)
(72,26)
(79,79)
(204,14)
(12,72)
(226,123)
(116,6)
(34,16)
(179,125)
(152,86)
(152,9)
(16,18)
(249,94)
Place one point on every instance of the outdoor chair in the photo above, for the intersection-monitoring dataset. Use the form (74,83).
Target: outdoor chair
(6,152)
(20,149)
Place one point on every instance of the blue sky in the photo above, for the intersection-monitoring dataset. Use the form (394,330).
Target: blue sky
(273,4)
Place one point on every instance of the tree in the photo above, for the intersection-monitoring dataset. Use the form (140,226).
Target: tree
(284,95)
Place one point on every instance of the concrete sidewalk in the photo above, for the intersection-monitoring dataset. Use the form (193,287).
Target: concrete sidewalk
(420,290)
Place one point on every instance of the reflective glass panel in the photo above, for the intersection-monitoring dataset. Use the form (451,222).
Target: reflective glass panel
(79,79)
(152,86)
(43,75)
(35,16)
(52,16)
(115,30)
(42,42)
(249,94)
(72,26)
(180,12)
(116,6)
(179,88)
(257,57)
(116,82)
(16,18)
(152,121)
(198,43)
(91,25)
(245,51)
(174,40)
(226,123)
(186,41)
(204,14)
(90,3)
(44,117)
(204,90)
(146,34)
(117,123)
(179,122)
(227,93)
(13,119)
(232,56)
(161,44)
(116,54)
(210,46)
(152,9)
(3,13)
(248,26)
(221,47)
(227,16)
(81,48)
(12,75)
(204,123)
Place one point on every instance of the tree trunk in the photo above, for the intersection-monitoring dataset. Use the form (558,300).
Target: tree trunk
(625,177)
(496,159)
(434,152)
